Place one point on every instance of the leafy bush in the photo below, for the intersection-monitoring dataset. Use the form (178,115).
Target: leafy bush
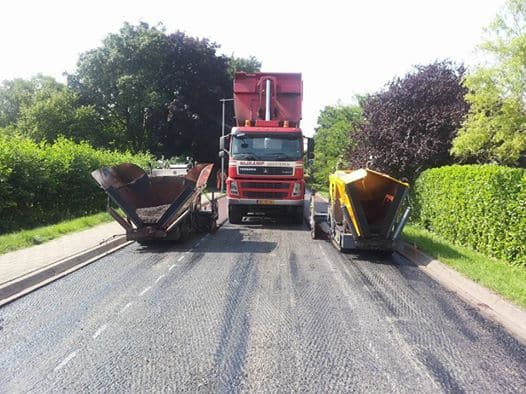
(46,183)
(480,206)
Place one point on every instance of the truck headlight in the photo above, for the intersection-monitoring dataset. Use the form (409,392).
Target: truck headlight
(297,189)
(233,187)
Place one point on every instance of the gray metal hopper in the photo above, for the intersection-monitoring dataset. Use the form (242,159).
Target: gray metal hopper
(157,207)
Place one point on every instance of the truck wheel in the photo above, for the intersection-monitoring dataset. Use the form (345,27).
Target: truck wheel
(315,231)
(235,214)
(298,215)
(185,230)
(315,228)
(213,226)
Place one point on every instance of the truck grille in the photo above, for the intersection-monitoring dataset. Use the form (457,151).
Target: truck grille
(248,170)
(269,195)
(265,185)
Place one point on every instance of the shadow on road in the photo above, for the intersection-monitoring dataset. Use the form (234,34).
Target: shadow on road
(233,240)
(226,240)
(269,222)
(374,257)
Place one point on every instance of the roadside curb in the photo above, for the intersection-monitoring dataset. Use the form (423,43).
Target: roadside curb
(490,304)
(10,291)
(18,287)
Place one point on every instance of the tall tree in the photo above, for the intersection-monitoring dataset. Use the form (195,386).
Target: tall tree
(121,79)
(409,126)
(199,77)
(336,126)
(44,109)
(57,113)
(250,64)
(17,93)
(160,91)
(495,128)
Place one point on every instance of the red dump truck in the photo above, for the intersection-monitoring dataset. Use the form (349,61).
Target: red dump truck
(266,172)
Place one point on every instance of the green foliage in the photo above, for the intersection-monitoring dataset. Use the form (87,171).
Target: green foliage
(156,91)
(57,114)
(43,109)
(332,139)
(495,128)
(45,183)
(123,81)
(250,65)
(479,206)
(142,90)
(409,126)
(18,93)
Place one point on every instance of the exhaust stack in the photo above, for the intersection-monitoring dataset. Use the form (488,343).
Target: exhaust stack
(267,99)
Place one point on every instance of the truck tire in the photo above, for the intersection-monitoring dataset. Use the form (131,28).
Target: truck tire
(235,214)
(314,230)
(298,215)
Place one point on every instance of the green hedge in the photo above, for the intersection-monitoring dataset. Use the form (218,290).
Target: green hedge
(46,183)
(480,206)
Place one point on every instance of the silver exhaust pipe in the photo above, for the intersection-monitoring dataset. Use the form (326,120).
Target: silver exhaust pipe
(267,100)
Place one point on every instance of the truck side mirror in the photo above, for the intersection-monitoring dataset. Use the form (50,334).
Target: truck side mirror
(310,148)
(222,153)
(223,142)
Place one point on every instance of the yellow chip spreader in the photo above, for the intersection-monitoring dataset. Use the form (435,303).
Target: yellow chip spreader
(364,210)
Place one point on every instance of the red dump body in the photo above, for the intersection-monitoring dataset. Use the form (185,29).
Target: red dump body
(286,91)
(265,171)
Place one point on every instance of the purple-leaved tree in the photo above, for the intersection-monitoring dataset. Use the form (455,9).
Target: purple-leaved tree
(409,126)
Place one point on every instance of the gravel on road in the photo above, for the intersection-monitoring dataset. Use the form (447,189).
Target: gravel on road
(256,307)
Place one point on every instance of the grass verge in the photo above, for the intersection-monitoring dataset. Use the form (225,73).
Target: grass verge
(24,238)
(499,276)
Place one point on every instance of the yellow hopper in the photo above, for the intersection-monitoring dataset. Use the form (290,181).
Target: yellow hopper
(364,210)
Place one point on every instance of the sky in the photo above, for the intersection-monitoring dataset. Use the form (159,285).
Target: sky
(342,48)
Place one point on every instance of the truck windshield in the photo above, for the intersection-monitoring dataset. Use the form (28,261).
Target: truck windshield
(267,147)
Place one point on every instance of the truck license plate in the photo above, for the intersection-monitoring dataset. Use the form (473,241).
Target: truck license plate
(265,202)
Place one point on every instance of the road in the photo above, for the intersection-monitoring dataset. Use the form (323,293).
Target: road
(257,307)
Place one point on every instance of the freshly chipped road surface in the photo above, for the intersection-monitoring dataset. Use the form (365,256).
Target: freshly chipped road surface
(252,308)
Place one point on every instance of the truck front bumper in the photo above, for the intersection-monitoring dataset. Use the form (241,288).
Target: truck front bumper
(253,202)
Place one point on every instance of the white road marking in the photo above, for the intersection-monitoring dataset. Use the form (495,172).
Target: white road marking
(180,258)
(145,291)
(171,267)
(68,358)
(126,306)
(99,331)
(159,278)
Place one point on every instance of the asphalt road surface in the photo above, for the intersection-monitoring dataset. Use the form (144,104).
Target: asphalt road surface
(255,308)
